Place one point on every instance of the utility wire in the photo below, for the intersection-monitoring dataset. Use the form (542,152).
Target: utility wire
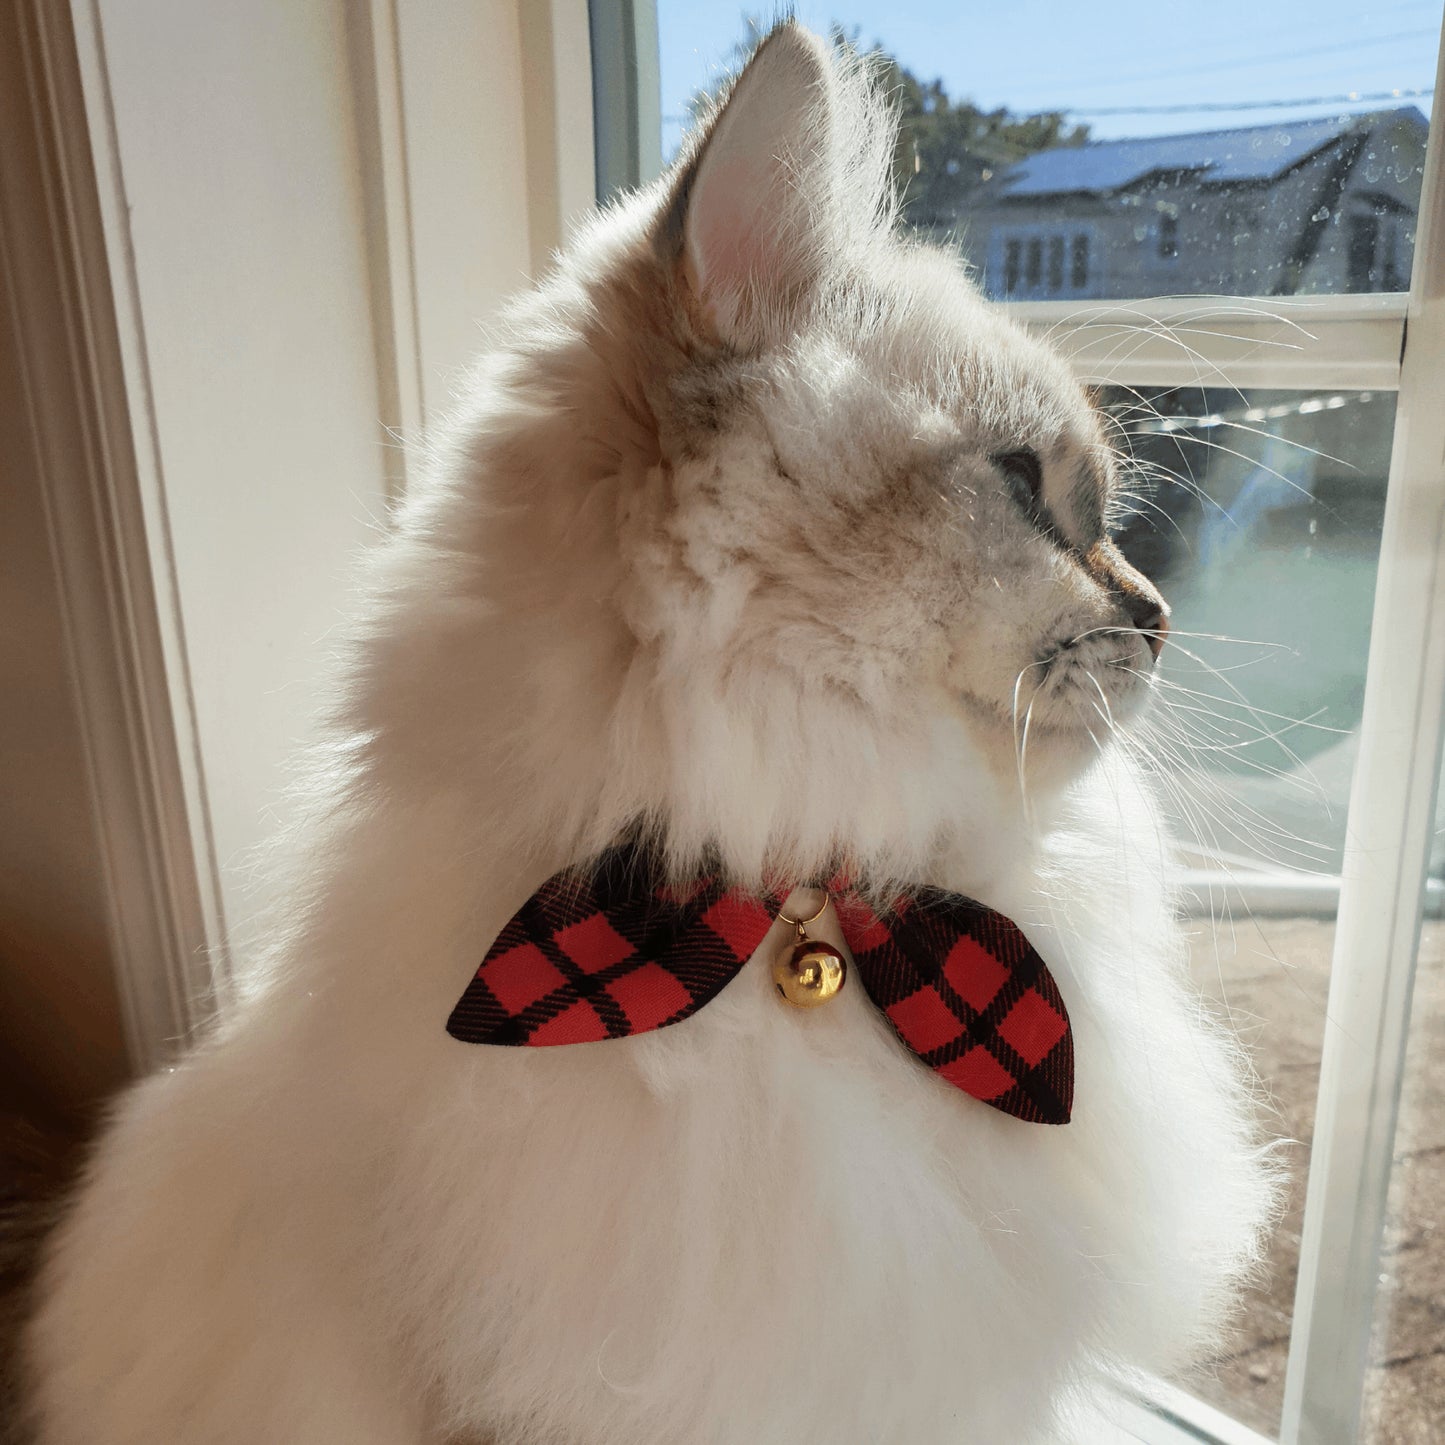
(1353,97)
(1116,79)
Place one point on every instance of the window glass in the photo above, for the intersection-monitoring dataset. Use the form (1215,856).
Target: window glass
(1259,514)
(1250,151)
(1269,975)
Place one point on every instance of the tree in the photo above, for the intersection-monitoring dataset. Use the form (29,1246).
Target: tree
(948,149)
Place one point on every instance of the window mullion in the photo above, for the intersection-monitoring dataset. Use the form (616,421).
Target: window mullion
(1391,822)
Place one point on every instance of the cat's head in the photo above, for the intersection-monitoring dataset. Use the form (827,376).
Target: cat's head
(855,520)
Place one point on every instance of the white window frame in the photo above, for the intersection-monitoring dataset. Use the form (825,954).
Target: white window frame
(1307,343)
(1280,342)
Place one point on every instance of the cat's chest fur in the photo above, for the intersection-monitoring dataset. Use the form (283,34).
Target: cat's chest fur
(781,1224)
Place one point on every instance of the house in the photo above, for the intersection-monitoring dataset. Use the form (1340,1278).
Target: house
(1290,207)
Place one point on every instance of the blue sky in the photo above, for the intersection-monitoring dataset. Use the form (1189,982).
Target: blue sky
(1048,54)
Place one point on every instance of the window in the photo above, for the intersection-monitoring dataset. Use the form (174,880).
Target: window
(1168,237)
(1013,249)
(1056,264)
(1034,272)
(1374,251)
(1294,183)
(1364,242)
(1039,263)
(1392,277)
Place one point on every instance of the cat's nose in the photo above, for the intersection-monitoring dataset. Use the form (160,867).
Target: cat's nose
(1146,609)
(1153,621)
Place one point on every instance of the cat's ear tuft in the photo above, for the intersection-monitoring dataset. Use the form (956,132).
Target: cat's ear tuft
(757,211)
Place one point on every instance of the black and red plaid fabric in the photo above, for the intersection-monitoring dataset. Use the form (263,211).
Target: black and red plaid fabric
(611,951)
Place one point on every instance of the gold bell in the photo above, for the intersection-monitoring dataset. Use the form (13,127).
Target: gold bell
(808,971)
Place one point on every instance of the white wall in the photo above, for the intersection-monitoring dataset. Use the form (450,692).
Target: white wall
(312,206)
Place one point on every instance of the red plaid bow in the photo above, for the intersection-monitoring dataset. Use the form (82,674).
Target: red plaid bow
(612,951)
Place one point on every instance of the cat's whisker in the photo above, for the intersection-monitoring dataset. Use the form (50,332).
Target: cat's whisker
(1184,803)
(1153,327)
(1242,700)
(1255,462)
(1202,733)
(1021,743)
(1112,728)
(1224,637)
(1088,672)
(1023,763)
(1109,734)
(1231,424)
(1287,779)
(1137,413)
(1210,744)
(1223,307)
(1172,632)
(1260,835)
(1259,734)
(1188,716)
(1160,475)
(1124,506)
(1252,713)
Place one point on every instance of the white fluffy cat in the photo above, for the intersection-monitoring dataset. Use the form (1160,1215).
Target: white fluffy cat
(757,524)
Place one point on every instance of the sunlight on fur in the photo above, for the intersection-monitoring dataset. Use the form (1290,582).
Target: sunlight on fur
(756,526)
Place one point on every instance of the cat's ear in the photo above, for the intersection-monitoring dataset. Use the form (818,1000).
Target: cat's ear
(755,213)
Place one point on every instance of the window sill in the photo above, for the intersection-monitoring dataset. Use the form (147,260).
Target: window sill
(1238,341)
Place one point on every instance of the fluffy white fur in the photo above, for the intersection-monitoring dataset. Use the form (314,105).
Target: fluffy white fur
(715,541)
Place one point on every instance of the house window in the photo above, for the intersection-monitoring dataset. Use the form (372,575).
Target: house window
(1079,271)
(1012,264)
(1168,238)
(1034,270)
(1056,264)
(1392,277)
(1364,241)
(1373,253)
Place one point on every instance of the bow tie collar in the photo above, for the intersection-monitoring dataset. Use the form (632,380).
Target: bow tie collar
(610,950)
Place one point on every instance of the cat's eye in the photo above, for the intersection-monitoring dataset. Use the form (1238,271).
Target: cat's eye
(1024,473)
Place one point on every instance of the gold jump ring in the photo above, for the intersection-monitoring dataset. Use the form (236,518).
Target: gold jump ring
(803,922)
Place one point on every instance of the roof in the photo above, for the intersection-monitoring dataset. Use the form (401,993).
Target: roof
(1253,153)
